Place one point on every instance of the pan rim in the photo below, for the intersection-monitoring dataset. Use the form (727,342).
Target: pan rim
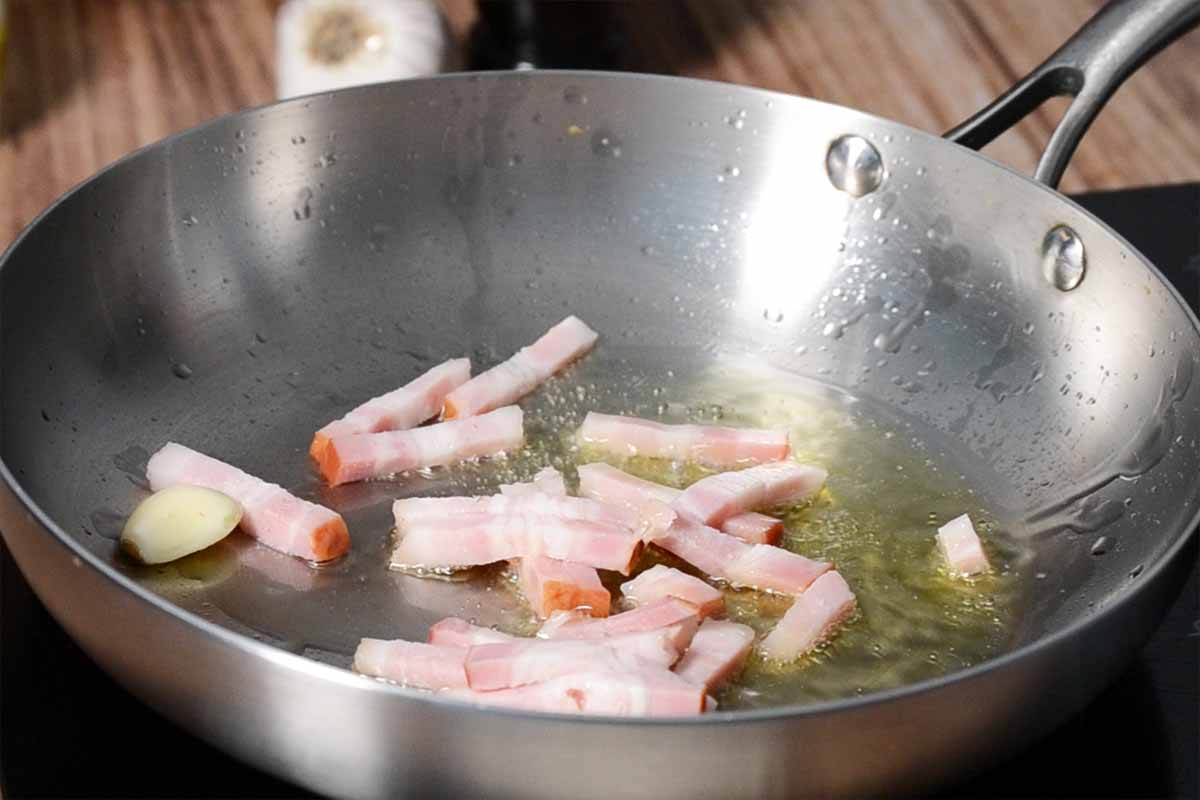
(327,672)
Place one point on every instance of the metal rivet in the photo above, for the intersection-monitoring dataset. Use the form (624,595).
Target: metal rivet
(1063,258)
(854,165)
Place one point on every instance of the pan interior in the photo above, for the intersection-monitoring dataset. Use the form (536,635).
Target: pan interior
(237,286)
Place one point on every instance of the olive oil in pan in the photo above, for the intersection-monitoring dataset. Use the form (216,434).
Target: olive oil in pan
(876,521)
(889,488)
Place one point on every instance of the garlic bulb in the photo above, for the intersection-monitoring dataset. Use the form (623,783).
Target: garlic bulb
(331,44)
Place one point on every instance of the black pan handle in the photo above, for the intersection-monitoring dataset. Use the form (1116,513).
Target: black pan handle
(1089,67)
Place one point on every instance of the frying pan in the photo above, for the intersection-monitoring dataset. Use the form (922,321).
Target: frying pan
(234,286)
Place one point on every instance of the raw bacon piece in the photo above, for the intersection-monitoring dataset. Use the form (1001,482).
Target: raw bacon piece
(511,380)
(811,619)
(504,666)
(753,527)
(714,499)
(648,692)
(455,632)
(662,581)
(547,481)
(411,510)
(400,409)
(270,514)
(425,666)
(681,617)
(647,521)
(373,455)
(718,652)
(961,546)
(608,484)
(705,444)
(479,538)
(550,585)
(760,566)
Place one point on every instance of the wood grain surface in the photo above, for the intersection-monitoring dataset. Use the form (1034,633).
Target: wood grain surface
(90,80)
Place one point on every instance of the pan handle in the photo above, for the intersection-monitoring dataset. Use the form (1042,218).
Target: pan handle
(1089,67)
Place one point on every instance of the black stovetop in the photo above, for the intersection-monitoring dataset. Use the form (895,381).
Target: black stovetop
(67,730)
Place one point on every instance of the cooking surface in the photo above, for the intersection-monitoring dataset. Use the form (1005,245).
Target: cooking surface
(51,692)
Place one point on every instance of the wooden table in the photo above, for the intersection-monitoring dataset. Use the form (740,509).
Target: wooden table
(90,80)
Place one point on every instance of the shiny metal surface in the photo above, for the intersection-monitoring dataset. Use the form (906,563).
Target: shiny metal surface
(1064,258)
(854,165)
(187,293)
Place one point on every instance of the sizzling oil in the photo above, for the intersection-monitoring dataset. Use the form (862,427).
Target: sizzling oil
(889,488)
(876,520)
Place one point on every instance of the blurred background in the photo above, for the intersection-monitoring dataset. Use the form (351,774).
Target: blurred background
(87,81)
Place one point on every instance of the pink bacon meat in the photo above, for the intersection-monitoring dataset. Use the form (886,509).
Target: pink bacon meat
(753,528)
(961,546)
(551,585)
(704,444)
(400,409)
(374,455)
(270,514)
(425,666)
(662,581)
(679,617)
(608,484)
(548,481)
(811,619)
(760,566)
(455,632)
(478,538)
(714,499)
(717,654)
(513,379)
(504,666)
(646,692)
(411,510)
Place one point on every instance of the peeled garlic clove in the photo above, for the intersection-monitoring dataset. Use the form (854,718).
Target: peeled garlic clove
(177,521)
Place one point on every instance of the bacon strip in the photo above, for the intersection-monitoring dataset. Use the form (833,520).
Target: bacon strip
(400,409)
(647,692)
(811,619)
(718,652)
(504,666)
(550,585)
(511,380)
(608,484)
(704,444)
(412,510)
(374,455)
(662,581)
(714,499)
(961,546)
(760,566)
(455,632)
(479,538)
(680,617)
(753,528)
(425,666)
(270,514)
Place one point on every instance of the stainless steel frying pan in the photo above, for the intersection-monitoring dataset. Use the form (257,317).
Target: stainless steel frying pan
(234,285)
